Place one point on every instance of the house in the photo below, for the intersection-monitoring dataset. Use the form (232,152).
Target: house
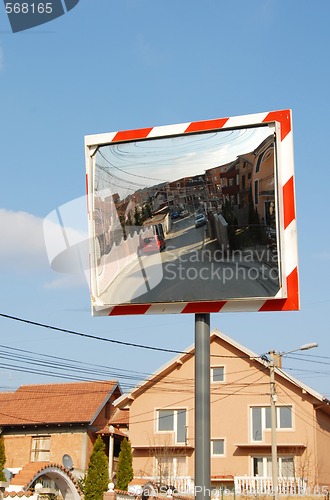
(162,429)
(49,431)
(263,181)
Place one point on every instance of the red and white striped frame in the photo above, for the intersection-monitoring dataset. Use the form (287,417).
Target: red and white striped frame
(288,297)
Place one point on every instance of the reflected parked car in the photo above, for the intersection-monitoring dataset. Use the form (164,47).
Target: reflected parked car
(153,244)
(184,213)
(200,220)
(175,215)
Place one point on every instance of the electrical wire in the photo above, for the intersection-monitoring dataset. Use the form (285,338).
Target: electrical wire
(86,335)
(113,341)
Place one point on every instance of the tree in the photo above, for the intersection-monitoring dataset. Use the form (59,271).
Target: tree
(164,451)
(2,459)
(137,217)
(97,477)
(125,468)
(146,211)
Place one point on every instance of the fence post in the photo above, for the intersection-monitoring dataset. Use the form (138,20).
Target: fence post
(110,494)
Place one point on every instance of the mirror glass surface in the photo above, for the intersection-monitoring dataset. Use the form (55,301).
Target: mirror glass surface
(187,218)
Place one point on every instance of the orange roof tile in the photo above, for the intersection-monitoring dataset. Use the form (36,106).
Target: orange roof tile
(106,432)
(19,494)
(54,403)
(25,475)
(120,417)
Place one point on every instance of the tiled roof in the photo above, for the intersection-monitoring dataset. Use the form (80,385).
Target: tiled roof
(120,417)
(26,475)
(54,403)
(106,432)
(19,494)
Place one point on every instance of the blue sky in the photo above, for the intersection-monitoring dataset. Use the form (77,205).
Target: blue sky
(108,66)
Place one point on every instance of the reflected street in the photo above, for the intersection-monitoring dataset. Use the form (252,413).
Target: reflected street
(192,267)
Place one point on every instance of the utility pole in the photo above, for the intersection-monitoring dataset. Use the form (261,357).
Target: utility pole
(273,399)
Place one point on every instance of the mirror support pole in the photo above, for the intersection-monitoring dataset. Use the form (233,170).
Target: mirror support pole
(202,408)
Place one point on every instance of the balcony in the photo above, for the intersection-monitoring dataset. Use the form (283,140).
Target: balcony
(246,485)
(243,485)
(181,484)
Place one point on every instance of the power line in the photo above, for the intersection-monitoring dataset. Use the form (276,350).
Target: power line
(86,335)
(113,341)
(84,370)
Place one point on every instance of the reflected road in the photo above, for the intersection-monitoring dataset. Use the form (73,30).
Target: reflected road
(192,268)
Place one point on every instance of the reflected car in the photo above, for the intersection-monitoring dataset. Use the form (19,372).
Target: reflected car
(153,244)
(200,220)
(175,215)
(184,213)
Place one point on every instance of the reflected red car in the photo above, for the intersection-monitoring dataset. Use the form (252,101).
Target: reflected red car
(153,244)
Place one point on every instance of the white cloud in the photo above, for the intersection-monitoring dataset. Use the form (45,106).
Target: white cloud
(23,250)
(22,242)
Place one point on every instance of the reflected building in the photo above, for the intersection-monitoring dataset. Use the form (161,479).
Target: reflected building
(215,182)
(263,181)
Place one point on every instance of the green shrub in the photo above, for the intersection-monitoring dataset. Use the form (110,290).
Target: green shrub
(2,459)
(125,469)
(97,477)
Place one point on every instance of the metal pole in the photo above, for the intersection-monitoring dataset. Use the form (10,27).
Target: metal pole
(202,408)
(273,398)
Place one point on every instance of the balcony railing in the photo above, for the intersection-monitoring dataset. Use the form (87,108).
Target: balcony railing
(181,484)
(243,485)
(263,485)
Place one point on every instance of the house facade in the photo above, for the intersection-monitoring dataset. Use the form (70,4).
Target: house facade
(162,427)
(49,431)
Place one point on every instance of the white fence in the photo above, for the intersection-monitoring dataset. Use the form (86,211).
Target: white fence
(181,484)
(263,485)
(221,232)
(120,256)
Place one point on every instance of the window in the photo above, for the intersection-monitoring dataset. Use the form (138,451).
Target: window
(286,467)
(173,421)
(256,424)
(217,374)
(258,163)
(40,449)
(256,192)
(261,420)
(284,417)
(218,447)
(262,466)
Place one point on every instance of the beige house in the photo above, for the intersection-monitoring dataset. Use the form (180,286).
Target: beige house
(162,428)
